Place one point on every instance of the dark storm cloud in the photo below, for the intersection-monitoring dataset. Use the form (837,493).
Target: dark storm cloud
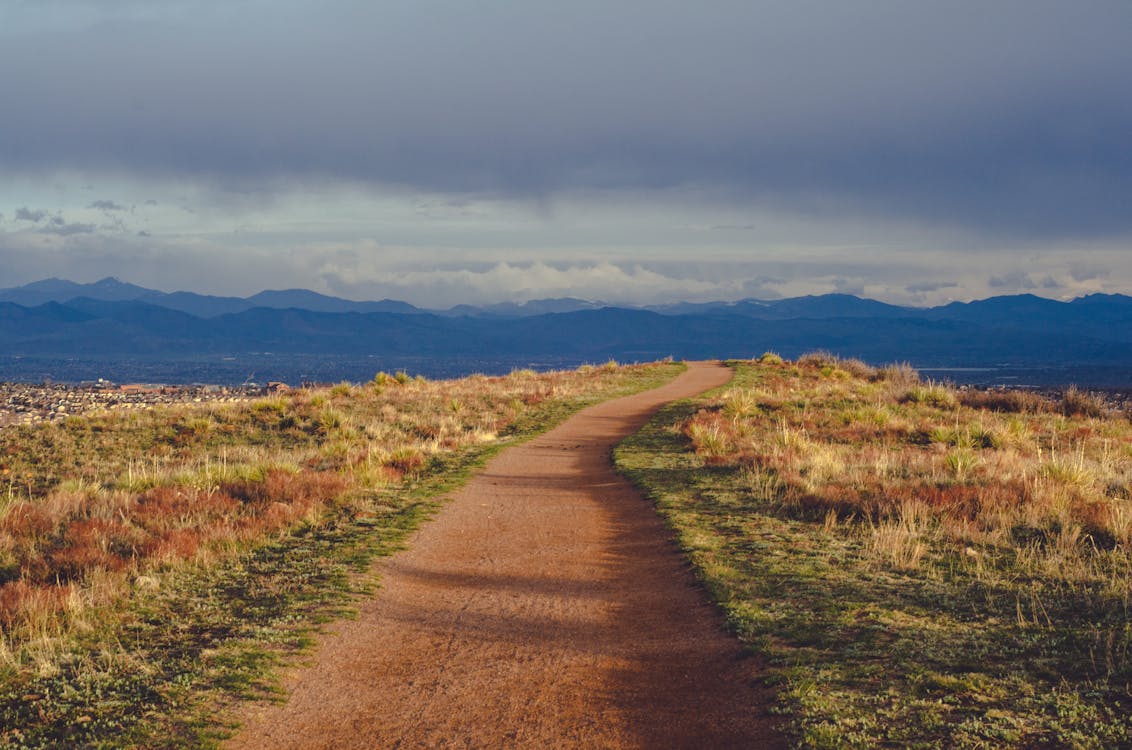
(1009,116)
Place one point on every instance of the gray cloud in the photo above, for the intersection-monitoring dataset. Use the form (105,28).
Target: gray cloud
(1008,117)
(1081,272)
(1015,281)
(1019,281)
(58,226)
(931,286)
(849,286)
(26,214)
(106,205)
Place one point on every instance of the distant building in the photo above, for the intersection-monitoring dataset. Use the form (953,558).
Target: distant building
(140,388)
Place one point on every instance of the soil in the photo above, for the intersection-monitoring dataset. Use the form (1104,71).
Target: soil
(545,606)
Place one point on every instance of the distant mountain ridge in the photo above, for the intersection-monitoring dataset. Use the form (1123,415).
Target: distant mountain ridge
(110,320)
(1083,309)
(201,305)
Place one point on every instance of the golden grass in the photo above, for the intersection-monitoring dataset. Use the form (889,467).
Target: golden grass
(1001,468)
(94,505)
(918,566)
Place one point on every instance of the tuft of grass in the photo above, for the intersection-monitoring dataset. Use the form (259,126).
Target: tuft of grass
(932,394)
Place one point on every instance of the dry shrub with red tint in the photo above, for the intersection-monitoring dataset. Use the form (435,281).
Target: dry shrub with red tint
(303,487)
(93,543)
(174,506)
(964,501)
(281,515)
(21,601)
(282,499)
(406,461)
(172,545)
(161,525)
(25,521)
(285,487)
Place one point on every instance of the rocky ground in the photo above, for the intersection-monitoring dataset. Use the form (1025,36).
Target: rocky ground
(21,403)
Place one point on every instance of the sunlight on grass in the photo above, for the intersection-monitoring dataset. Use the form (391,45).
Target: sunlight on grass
(922,566)
(156,565)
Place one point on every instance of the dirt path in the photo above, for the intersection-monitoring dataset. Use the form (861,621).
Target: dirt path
(543,607)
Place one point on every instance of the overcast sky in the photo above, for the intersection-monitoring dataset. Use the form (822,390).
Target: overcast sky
(443,152)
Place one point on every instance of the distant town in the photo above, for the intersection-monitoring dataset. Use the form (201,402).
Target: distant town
(22,403)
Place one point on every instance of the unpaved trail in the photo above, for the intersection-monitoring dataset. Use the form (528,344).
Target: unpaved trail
(544,607)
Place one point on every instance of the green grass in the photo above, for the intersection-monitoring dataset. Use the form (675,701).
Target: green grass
(162,665)
(887,624)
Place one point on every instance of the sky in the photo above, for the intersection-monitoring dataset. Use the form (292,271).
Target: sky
(628,151)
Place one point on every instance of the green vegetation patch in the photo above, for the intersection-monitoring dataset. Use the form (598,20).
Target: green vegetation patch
(917,572)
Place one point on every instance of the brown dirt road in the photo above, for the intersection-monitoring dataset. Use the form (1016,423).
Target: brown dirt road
(544,606)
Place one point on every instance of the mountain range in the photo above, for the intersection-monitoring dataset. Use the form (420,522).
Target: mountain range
(110,320)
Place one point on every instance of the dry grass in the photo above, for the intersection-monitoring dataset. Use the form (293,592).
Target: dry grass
(921,566)
(91,506)
(873,446)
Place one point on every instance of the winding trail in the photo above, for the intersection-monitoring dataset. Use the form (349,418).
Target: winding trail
(544,606)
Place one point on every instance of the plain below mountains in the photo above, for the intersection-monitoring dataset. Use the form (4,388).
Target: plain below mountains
(109,318)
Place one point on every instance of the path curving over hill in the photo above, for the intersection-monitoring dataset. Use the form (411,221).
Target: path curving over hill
(544,606)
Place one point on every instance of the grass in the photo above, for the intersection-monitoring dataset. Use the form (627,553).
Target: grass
(156,567)
(919,567)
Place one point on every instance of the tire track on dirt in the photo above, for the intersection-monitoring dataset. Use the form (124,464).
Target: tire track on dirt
(544,606)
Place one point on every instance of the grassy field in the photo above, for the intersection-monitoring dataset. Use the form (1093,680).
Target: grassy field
(920,566)
(156,566)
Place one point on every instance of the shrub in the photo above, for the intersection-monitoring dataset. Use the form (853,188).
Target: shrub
(1078,403)
(1006,401)
(901,373)
(858,369)
(818,360)
(932,394)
